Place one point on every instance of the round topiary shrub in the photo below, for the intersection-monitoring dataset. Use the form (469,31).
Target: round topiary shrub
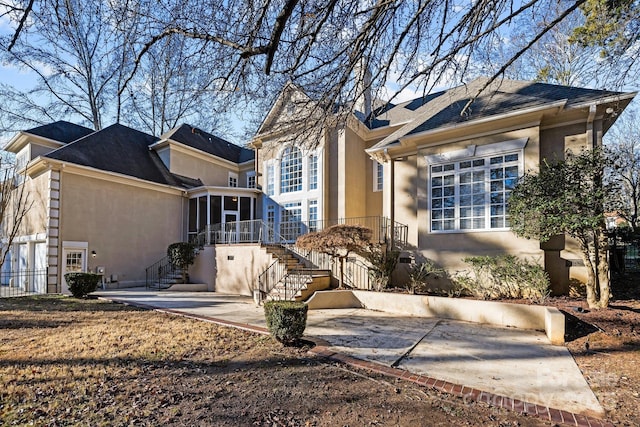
(286,320)
(82,284)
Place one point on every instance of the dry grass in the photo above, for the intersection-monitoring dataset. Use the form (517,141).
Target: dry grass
(65,361)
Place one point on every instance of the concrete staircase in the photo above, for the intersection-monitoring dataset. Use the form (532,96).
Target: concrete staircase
(299,281)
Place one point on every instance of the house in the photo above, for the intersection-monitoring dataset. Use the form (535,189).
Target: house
(440,165)
(111,201)
(431,176)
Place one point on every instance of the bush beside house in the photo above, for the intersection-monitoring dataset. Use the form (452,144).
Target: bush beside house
(82,284)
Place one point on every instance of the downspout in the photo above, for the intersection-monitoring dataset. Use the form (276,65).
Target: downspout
(591,137)
(60,219)
(392,196)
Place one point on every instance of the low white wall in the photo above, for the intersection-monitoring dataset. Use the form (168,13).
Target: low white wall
(548,319)
(237,268)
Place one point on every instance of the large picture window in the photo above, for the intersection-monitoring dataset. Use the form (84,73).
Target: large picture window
(291,170)
(473,194)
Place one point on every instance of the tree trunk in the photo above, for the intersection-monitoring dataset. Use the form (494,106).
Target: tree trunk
(603,271)
(340,283)
(592,295)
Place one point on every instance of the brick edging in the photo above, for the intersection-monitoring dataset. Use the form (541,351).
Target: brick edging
(323,350)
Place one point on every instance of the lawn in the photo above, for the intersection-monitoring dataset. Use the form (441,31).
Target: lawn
(65,361)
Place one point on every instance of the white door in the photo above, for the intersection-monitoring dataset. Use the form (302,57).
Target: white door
(22,265)
(230,226)
(39,279)
(74,260)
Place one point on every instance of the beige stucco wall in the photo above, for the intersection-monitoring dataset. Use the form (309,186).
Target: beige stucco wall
(36,194)
(213,173)
(128,227)
(352,176)
(235,268)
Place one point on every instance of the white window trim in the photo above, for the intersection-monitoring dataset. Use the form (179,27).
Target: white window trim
(376,187)
(232,175)
(249,176)
(472,152)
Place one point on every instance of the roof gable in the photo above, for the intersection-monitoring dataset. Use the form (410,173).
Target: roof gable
(208,143)
(287,110)
(447,108)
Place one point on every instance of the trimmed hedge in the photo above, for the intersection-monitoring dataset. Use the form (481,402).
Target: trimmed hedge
(82,284)
(286,320)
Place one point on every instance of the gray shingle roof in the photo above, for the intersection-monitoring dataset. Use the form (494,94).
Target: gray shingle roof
(211,144)
(122,150)
(444,108)
(61,131)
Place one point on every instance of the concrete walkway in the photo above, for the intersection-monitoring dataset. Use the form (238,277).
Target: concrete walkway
(506,363)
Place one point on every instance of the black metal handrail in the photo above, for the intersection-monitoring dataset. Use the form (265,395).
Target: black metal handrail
(158,275)
(23,282)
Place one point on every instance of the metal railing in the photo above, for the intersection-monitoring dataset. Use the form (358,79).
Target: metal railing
(278,272)
(257,231)
(356,273)
(160,274)
(23,282)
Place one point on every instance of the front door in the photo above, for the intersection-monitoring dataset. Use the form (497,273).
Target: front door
(74,260)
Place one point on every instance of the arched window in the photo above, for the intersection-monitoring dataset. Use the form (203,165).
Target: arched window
(291,170)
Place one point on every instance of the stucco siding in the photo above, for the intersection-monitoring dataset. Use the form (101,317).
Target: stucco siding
(128,227)
(195,167)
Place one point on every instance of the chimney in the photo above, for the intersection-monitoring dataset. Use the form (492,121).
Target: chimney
(362,104)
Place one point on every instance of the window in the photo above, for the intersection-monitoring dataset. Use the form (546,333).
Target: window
(313,172)
(271,222)
(251,180)
(233,179)
(291,170)
(313,215)
(378,176)
(291,217)
(270,180)
(473,194)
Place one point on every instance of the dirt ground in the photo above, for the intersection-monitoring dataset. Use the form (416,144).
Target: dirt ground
(606,347)
(85,362)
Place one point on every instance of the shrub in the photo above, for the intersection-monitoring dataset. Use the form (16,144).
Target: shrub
(182,255)
(286,320)
(504,276)
(419,274)
(82,284)
(383,263)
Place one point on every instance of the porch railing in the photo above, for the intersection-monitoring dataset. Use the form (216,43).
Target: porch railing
(257,231)
(23,282)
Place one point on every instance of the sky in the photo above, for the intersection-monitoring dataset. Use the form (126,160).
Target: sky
(21,79)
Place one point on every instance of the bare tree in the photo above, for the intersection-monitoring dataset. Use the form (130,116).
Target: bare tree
(173,86)
(69,46)
(14,205)
(82,53)
(254,47)
(623,144)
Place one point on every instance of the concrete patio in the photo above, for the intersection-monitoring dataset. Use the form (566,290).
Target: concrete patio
(518,364)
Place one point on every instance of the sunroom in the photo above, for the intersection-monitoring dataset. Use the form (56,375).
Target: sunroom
(223,215)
